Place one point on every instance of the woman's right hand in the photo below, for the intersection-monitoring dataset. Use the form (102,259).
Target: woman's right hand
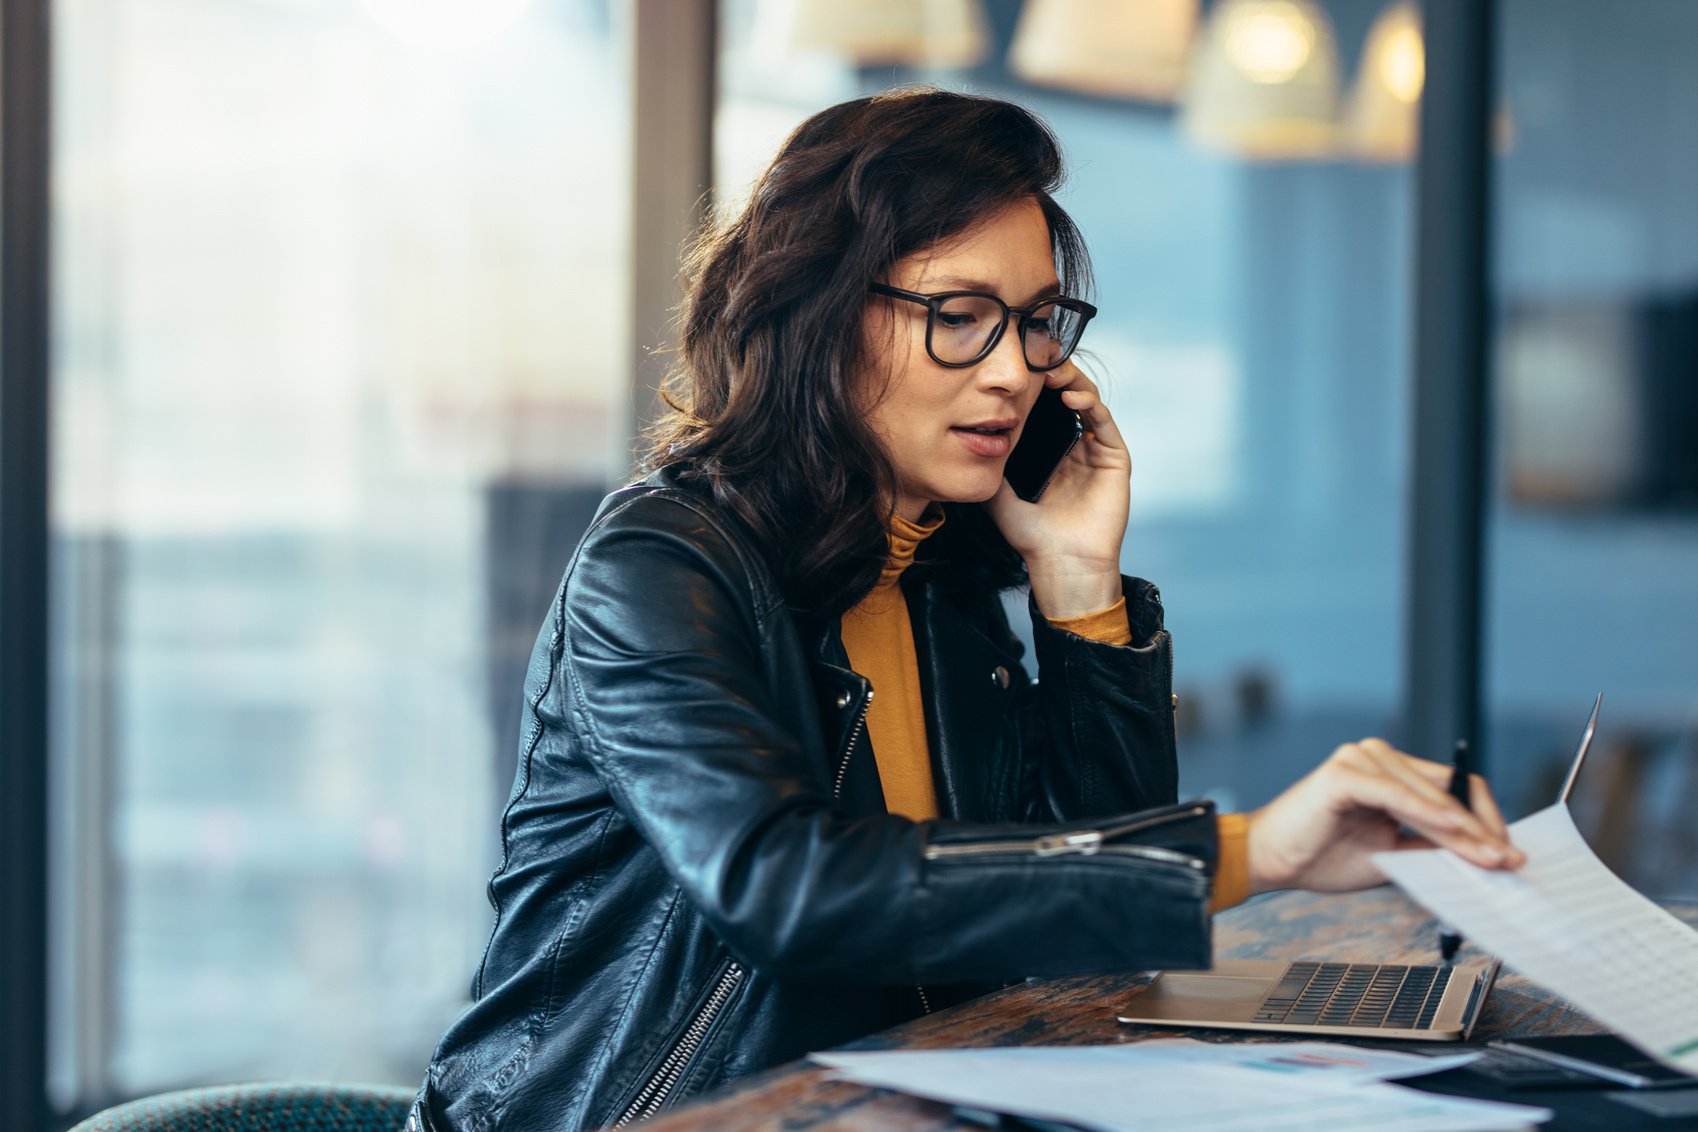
(1071,538)
(1366,798)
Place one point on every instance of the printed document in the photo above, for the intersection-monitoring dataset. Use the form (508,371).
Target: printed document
(1566,921)
(1157,1086)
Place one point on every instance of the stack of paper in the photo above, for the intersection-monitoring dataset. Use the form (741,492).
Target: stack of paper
(1565,920)
(1154,1086)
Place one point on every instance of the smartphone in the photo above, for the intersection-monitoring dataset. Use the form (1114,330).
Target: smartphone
(1052,429)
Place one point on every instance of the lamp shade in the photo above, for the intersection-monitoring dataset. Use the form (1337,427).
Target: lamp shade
(1120,48)
(921,33)
(1264,81)
(1383,120)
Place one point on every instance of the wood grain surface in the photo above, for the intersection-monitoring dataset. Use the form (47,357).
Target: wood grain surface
(1380,925)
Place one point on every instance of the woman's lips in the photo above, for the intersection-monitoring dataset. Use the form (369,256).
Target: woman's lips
(990,445)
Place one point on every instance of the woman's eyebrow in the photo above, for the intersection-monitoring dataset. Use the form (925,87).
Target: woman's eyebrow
(963,283)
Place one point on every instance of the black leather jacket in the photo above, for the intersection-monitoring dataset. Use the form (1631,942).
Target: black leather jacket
(698,878)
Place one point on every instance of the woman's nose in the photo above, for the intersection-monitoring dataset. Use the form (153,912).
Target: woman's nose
(1005,366)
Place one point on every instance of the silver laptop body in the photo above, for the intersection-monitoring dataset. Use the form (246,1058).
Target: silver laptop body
(1358,1000)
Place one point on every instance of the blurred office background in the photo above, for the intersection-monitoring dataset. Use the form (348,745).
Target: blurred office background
(350,331)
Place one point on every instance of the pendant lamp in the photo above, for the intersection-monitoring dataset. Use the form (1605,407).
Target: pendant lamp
(871,33)
(1119,48)
(1383,120)
(1264,81)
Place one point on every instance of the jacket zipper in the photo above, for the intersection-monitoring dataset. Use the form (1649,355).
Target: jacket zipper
(1083,843)
(849,747)
(655,1091)
(1170,690)
(653,1096)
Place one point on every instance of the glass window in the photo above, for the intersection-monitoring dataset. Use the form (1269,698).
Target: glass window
(336,370)
(1593,551)
(1253,339)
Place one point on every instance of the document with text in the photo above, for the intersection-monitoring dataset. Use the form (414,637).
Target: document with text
(1564,920)
(1188,1086)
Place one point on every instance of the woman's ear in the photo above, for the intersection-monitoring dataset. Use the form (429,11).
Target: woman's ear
(881,359)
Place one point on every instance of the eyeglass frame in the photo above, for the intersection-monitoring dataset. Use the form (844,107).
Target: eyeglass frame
(934,304)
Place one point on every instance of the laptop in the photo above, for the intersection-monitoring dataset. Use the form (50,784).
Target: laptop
(1361,1000)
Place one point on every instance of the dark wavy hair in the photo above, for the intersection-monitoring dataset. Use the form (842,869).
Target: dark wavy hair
(765,406)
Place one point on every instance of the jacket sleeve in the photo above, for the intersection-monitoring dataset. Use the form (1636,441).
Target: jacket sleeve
(665,675)
(1100,737)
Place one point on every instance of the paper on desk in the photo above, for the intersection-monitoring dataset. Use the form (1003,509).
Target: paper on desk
(1196,1086)
(1331,1060)
(1566,921)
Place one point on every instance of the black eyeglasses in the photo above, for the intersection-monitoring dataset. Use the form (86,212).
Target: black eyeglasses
(963,327)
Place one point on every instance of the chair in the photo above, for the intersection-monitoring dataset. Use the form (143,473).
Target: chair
(267,1107)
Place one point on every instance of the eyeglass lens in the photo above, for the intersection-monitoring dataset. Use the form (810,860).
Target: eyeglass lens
(964,325)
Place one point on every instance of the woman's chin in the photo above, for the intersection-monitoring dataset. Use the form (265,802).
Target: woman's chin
(979,487)
(973,493)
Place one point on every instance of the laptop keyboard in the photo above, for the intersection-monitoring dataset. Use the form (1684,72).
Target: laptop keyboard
(1390,996)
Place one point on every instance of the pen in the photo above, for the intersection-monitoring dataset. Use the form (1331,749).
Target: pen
(1580,755)
(1449,938)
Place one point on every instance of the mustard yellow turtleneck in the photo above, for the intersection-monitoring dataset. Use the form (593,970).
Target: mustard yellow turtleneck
(880,641)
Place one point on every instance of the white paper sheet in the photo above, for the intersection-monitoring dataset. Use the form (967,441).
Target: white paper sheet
(1195,1086)
(1566,921)
(1334,1061)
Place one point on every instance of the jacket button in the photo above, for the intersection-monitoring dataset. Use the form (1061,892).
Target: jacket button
(999,676)
(843,700)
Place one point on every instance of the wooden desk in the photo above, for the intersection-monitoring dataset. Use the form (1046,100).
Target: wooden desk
(1381,925)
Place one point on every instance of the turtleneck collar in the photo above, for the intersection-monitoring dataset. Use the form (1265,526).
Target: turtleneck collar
(905,539)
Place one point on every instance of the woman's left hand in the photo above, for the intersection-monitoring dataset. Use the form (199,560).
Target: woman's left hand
(1322,832)
(1071,537)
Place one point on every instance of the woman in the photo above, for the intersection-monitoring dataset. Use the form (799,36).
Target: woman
(721,850)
